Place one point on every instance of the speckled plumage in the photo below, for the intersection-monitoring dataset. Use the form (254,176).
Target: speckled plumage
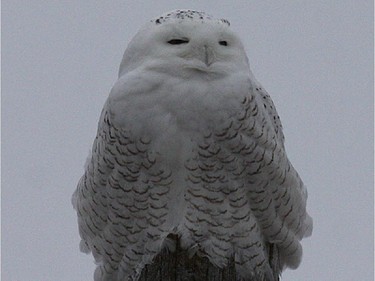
(189,143)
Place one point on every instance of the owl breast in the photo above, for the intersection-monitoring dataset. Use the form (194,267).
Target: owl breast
(173,111)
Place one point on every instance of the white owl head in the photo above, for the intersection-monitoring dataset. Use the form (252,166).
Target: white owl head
(184,42)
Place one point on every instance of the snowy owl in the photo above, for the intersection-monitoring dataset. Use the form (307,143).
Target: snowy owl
(189,143)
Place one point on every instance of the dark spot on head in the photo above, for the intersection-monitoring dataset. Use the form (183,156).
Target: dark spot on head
(225,21)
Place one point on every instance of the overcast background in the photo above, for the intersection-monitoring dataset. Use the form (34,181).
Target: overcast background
(60,59)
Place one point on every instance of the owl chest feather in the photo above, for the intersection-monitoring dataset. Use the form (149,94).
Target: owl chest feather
(174,104)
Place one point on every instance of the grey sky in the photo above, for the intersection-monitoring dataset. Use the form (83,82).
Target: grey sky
(60,59)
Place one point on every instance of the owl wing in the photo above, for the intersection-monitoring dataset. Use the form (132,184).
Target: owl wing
(276,193)
(113,200)
(91,198)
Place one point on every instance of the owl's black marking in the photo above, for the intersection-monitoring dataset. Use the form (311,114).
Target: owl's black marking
(187,14)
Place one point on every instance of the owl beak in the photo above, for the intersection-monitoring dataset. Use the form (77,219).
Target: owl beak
(204,54)
(209,55)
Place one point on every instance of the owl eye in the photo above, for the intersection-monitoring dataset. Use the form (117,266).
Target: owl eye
(223,43)
(178,41)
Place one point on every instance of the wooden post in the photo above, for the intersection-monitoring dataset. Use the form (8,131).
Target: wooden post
(177,266)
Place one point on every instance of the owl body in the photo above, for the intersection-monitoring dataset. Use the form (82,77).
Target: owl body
(189,143)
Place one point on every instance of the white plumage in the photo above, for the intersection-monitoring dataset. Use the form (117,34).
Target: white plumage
(189,143)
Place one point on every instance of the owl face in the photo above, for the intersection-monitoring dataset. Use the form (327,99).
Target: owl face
(178,46)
